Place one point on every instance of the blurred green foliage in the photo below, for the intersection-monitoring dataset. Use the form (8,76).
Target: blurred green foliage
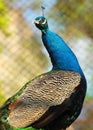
(76,15)
(3,16)
(1,97)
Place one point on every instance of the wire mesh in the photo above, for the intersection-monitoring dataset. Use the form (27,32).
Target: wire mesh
(22,55)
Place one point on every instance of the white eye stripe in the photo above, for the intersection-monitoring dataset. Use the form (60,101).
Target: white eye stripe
(38,21)
(44,21)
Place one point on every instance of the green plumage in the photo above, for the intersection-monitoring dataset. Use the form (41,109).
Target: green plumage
(4,111)
(4,125)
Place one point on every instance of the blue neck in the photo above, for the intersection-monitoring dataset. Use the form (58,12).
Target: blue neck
(61,55)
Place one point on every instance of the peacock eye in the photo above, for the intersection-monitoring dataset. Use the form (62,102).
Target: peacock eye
(43,21)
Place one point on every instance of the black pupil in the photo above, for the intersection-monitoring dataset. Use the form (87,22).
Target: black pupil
(5,118)
(42,20)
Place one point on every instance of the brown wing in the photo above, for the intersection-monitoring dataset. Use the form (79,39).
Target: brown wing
(49,89)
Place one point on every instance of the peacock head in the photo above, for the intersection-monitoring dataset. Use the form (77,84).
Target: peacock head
(41,23)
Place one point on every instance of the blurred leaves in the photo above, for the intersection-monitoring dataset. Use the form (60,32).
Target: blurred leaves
(76,15)
(3,16)
(1,97)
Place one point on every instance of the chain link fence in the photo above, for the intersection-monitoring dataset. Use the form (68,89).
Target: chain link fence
(22,55)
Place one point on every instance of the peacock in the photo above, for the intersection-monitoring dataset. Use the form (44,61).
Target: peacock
(52,100)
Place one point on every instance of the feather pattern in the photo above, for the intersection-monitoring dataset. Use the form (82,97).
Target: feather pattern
(46,91)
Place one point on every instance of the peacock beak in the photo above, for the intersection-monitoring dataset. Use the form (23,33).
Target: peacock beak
(36,21)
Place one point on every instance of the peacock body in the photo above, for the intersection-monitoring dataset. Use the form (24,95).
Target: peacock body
(53,100)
